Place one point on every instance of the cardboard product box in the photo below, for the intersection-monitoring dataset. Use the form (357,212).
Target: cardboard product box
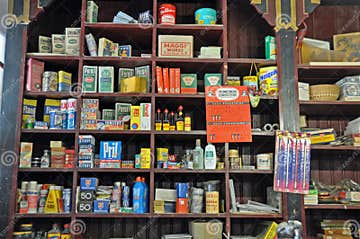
(88,124)
(145,73)
(106,79)
(349,45)
(85,206)
(145,158)
(107,47)
(85,164)
(212,202)
(125,73)
(101,206)
(87,195)
(72,41)
(86,139)
(86,148)
(92,12)
(45,44)
(88,183)
(25,154)
(109,125)
(89,114)
(188,83)
(58,43)
(199,229)
(91,103)
(270,48)
(135,118)
(304,91)
(168,195)
(159,206)
(353,196)
(110,150)
(35,69)
(213,79)
(176,46)
(108,114)
(89,80)
(145,116)
(133,84)
(64,81)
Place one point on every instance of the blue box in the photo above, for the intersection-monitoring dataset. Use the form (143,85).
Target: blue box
(182,190)
(101,206)
(88,183)
(86,139)
(110,150)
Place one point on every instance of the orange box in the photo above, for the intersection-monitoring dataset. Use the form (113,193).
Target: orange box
(166,80)
(159,80)
(177,81)
(182,205)
(172,80)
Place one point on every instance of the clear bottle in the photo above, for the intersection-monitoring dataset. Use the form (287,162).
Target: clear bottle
(198,155)
(45,159)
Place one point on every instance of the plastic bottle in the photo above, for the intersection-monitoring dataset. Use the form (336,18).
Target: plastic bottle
(65,234)
(52,205)
(54,233)
(42,200)
(210,156)
(146,201)
(32,196)
(198,155)
(45,159)
(139,196)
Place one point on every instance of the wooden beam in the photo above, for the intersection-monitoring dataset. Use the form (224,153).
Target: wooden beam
(340,2)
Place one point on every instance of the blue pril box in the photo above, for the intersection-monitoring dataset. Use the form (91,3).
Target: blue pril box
(182,190)
(110,150)
(101,206)
(88,183)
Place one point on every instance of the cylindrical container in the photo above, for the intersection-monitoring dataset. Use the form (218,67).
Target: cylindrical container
(212,185)
(126,196)
(182,190)
(187,122)
(205,16)
(63,109)
(71,104)
(67,200)
(167,14)
(220,165)
(35,163)
(234,159)
(32,197)
(55,119)
(182,205)
(42,200)
(197,197)
(71,119)
(264,161)
(50,81)
(116,194)
(212,202)
(24,185)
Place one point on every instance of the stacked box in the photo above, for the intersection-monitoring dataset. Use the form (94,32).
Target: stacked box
(89,114)
(110,154)
(86,151)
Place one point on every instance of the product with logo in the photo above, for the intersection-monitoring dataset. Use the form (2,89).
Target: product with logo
(167,14)
(145,116)
(176,46)
(205,16)
(35,70)
(89,80)
(64,81)
(135,118)
(58,43)
(72,41)
(110,150)
(106,79)
(50,81)
(268,80)
(213,79)
(44,44)
(188,83)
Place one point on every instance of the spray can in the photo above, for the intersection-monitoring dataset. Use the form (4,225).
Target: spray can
(32,197)
(63,110)
(67,200)
(126,196)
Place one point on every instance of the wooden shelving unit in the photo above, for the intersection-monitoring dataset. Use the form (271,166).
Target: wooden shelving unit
(236,60)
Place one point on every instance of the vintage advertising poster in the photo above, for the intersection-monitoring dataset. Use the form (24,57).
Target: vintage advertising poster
(228,116)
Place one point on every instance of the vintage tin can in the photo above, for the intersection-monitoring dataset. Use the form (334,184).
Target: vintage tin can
(71,119)
(167,14)
(63,109)
(71,104)
(67,200)
(55,119)
(50,81)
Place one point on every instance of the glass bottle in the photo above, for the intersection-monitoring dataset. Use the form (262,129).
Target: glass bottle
(45,159)
(198,155)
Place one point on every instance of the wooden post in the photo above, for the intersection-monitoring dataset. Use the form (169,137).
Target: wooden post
(286,16)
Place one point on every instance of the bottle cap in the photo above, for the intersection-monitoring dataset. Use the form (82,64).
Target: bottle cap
(66,226)
(198,142)
(180,108)
(138,179)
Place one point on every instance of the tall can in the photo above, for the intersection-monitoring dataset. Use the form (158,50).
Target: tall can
(63,109)
(126,196)
(71,119)
(55,119)
(67,200)
(71,104)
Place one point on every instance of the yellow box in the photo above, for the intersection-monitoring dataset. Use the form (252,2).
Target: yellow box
(133,84)
(348,44)
(162,154)
(55,144)
(212,202)
(135,118)
(159,206)
(323,138)
(145,157)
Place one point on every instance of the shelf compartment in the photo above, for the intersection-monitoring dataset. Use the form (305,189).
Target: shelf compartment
(338,148)
(46,170)
(188,171)
(248,61)
(332,207)
(133,27)
(120,132)
(112,215)
(189,215)
(117,61)
(43,215)
(256,215)
(330,108)
(51,95)
(175,133)
(200,95)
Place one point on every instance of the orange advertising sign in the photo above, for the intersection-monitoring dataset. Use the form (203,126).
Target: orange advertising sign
(228,117)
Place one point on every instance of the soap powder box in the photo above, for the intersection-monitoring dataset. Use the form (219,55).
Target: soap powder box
(34,75)
(64,81)
(213,79)
(58,43)
(72,41)
(92,12)
(45,44)
(145,116)
(110,150)
(89,81)
(88,183)
(106,79)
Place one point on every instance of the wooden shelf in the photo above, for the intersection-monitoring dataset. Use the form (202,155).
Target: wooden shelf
(125,132)
(47,131)
(328,67)
(256,215)
(200,95)
(333,207)
(242,171)
(113,170)
(119,26)
(190,60)
(47,170)
(112,215)
(247,61)
(195,27)
(53,95)
(339,148)
(263,133)
(188,171)
(333,103)
(190,215)
(99,59)
(43,215)
(175,133)
(52,57)
(116,95)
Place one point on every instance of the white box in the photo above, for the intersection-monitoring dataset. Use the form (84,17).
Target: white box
(304,91)
(72,41)
(176,46)
(145,116)
(106,79)
(167,195)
